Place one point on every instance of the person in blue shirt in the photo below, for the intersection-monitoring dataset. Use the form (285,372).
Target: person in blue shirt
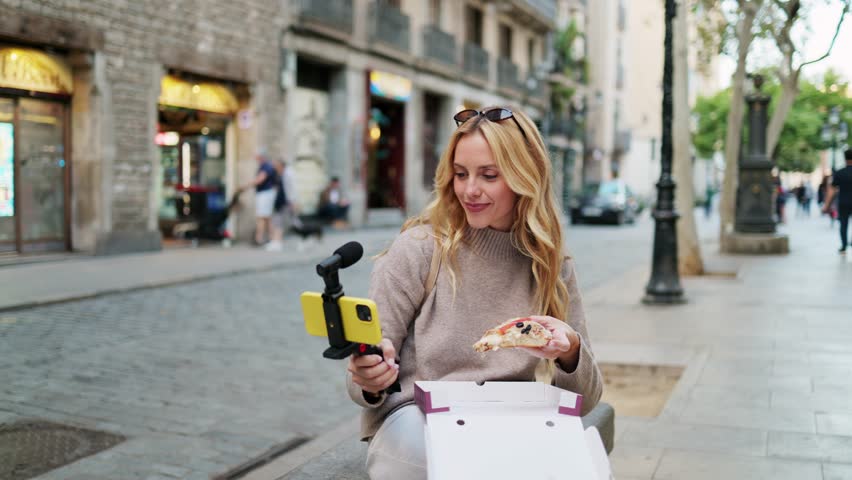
(265,183)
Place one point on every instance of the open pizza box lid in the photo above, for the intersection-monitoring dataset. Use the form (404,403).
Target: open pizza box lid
(508,430)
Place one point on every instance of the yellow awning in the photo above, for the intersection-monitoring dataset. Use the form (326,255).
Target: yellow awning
(34,70)
(207,96)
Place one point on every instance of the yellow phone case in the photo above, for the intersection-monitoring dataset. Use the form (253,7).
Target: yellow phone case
(363,328)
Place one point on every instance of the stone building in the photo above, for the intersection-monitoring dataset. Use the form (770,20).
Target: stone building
(121,120)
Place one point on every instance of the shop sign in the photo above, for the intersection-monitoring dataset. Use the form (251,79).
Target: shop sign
(7,167)
(32,70)
(206,96)
(391,86)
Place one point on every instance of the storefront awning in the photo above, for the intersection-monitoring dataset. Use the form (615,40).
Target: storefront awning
(34,70)
(206,96)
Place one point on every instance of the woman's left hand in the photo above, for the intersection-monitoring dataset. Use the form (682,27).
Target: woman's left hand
(565,344)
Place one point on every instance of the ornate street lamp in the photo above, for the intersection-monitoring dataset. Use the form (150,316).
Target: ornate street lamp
(834,133)
(664,286)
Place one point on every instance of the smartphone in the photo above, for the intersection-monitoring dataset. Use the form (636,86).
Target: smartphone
(360,318)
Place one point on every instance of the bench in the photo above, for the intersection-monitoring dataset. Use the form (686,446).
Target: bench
(345,460)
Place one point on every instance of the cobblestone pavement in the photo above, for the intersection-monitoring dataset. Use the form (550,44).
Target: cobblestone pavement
(204,376)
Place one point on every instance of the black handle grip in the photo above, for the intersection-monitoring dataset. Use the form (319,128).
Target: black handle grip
(364,349)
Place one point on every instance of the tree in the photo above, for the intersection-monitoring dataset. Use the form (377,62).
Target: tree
(785,14)
(800,142)
(753,19)
(688,246)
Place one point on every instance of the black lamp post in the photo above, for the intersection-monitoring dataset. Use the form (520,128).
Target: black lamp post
(834,133)
(664,286)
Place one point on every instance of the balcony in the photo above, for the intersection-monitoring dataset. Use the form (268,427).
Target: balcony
(507,75)
(332,18)
(439,46)
(533,13)
(389,27)
(476,61)
(622,17)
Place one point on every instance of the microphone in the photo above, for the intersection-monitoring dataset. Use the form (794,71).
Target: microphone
(343,257)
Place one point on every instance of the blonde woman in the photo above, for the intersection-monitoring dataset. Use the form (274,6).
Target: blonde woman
(497,225)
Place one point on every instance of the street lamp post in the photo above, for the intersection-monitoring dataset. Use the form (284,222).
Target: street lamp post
(664,285)
(834,133)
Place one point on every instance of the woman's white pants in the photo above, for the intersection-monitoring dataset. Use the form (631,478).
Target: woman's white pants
(398,450)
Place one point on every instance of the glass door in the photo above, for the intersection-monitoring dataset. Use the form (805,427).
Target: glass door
(33,175)
(7,176)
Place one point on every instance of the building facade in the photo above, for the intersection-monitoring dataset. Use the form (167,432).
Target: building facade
(119,121)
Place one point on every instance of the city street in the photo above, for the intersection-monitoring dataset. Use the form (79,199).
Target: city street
(203,376)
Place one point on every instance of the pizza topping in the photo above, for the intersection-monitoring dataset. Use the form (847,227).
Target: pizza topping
(527,333)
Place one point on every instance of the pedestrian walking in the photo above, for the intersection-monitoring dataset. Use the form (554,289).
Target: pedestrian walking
(841,183)
(264,197)
(286,207)
(494,229)
(780,201)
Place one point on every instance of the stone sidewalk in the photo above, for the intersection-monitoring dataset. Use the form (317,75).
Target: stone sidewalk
(75,277)
(768,366)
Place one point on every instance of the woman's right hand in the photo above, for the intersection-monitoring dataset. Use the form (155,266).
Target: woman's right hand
(374,373)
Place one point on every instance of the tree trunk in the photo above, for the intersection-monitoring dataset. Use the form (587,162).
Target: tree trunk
(789,92)
(727,202)
(688,244)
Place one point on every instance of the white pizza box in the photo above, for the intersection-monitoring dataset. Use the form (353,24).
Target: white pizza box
(508,430)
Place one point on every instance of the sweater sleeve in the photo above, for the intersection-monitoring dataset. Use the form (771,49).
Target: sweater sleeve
(586,378)
(397,285)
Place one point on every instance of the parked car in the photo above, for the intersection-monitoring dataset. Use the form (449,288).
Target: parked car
(607,202)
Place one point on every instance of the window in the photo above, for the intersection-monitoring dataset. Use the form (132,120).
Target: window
(435,12)
(505,41)
(473,25)
(531,53)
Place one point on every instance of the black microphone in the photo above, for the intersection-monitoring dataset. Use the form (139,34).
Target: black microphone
(343,257)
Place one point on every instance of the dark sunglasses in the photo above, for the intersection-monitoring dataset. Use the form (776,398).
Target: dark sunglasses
(493,114)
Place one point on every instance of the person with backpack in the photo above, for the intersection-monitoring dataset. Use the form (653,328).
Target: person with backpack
(286,206)
(494,229)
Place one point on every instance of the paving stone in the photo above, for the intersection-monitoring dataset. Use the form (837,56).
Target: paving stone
(677,465)
(836,471)
(825,448)
(834,423)
(737,441)
(757,418)
(640,462)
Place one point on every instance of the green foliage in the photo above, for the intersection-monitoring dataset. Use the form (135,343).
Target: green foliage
(800,142)
(712,113)
(575,68)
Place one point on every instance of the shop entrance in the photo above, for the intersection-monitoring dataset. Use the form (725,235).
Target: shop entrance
(386,154)
(33,176)
(193,150)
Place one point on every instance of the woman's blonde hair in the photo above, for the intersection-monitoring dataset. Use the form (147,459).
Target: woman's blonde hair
(536,232)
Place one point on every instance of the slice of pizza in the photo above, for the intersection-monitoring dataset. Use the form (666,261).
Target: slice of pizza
(517,332)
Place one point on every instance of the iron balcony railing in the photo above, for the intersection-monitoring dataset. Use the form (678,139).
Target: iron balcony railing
(507,74)
(545,8)
(334,14)
(439,45)
(390,26)
(475,60)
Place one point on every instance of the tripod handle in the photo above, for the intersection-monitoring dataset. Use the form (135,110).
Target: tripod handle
(364,349)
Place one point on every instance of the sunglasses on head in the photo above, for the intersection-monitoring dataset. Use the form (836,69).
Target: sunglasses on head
(493,114)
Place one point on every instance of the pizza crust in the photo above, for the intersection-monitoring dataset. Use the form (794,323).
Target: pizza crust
(517,332)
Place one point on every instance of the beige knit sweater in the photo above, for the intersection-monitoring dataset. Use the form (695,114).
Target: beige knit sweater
(494,284)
